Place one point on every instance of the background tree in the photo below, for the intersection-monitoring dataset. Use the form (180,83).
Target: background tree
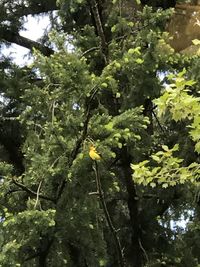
(58,206)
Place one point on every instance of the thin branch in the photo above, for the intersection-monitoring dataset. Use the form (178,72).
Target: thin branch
(12,191)
(121,259)
(38,195)
(89,51)
(31,192)
(86,122)
(93,193)
(159,124)
(144,251)
(53,112)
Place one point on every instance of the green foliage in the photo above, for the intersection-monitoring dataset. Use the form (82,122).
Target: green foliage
(15,240)
(165,170)
(58,106)
(177,99)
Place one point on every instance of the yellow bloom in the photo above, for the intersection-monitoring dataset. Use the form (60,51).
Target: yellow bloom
(93,153)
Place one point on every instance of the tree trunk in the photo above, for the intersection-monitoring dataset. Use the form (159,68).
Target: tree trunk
(135,250)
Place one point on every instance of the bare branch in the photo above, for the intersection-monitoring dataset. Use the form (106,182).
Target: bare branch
(159,124)
(89,51)
(38,195)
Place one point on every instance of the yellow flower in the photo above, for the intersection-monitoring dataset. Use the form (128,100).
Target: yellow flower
(93,153)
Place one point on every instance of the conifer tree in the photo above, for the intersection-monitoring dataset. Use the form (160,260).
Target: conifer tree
(122,93)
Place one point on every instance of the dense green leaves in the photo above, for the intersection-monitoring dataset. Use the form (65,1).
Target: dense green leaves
(167,171)
(179,101)
(121,88)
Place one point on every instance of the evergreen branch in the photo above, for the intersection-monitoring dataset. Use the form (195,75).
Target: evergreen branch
(31,192)
(99,27)
(114,232)
(81,139)
(133,32)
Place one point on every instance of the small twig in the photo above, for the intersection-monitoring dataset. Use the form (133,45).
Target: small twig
(93,193)
(56,160)
(144,251)
(38,194)
(53,112)
(159,124)
(114,232)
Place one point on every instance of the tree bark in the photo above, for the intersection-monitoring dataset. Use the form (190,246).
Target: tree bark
(136,252)
(44,250)
(12,37)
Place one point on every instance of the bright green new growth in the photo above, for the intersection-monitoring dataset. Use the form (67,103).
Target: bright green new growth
(178,103)
(59,207)
(165,169)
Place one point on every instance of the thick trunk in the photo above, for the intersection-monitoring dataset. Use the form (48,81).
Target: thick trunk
(44,250)
(77,259)
(135,250)
(42,261)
